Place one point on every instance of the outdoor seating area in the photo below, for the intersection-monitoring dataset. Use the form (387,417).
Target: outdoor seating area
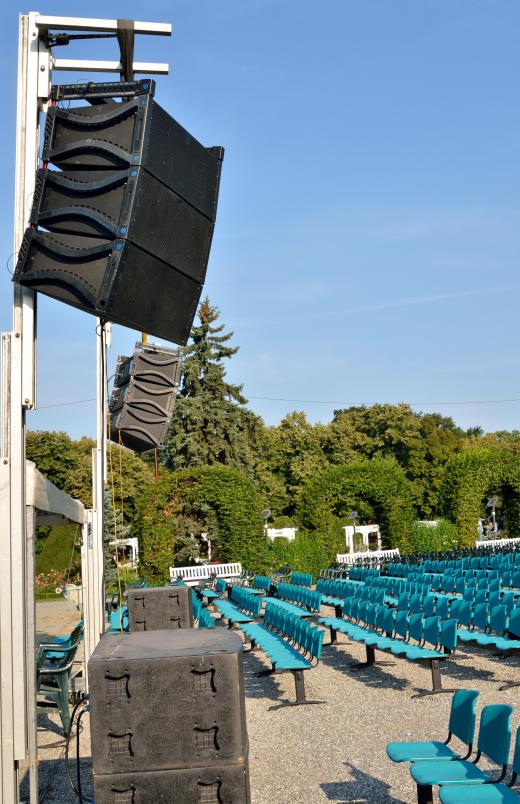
(383,751)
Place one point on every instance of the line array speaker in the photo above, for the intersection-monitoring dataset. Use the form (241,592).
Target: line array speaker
(143,396)
(123,229)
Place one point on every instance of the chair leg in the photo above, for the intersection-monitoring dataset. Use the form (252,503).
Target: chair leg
(333,636)
(437,687)
(301,700)
(424,794)
(371,659)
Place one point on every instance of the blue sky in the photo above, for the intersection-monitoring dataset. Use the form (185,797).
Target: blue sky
(368,231)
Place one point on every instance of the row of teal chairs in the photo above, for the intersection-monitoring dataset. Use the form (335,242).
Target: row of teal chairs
(245,600)
(301,579)
(402,635)
(301,595)
(291,644)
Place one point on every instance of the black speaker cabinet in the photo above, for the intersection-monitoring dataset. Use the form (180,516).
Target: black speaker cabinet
(143,396)
(159,609)
(166,700)
(227,784)
(123,229)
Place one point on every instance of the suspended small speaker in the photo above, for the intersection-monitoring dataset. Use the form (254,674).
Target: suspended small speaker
(143,396)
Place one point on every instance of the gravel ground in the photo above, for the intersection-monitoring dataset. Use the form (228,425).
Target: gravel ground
(334,751)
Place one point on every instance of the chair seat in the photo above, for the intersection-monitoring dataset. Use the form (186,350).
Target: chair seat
(464,635)
(433,751)
(460,772)
(483,794)
(507,644)
(414,654)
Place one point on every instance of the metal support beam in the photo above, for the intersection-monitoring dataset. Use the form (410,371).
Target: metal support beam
(17,718)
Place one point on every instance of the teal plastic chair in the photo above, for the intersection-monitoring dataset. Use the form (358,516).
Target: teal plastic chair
(486,793)
(494,740)
(461,725)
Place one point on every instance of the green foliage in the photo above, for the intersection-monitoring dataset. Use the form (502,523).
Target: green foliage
(427,538)
(54,549)
(295,450)
(215,500)
(210,423)
(55,455)
(68,464)
(378,487)
(472,476)
(305,554)
(421,443)
(293,454)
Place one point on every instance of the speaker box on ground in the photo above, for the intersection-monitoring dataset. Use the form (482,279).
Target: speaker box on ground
(159,609)
(165,700)
(228,784)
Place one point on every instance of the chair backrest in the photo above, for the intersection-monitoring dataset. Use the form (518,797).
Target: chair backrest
(431,630)
(401,623)
(220,585)
(480,616)
(481,596)
(508,600)
(403,603)
(415,627)
(498,619)
(465,614)
(448,634)
(514,623)
(387,621)
(494,737)
(442,608)
(463,715)
(428,606)
(415,604)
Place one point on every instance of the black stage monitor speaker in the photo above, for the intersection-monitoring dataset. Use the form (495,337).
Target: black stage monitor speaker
(168,707)
(159,609)
(123,229)
(143,396)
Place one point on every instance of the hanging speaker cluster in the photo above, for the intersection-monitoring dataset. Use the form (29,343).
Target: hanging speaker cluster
(143,396)
(123,227)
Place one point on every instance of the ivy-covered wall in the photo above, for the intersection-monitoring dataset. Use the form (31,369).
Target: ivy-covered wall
(376,488)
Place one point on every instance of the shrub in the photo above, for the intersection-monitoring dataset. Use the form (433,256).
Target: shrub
(305,554)
(212,499)
(376,488)
(426,537)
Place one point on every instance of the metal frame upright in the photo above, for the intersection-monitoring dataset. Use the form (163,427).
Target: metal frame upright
(36,63)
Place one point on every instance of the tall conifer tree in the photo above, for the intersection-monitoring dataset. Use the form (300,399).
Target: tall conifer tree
(210,423)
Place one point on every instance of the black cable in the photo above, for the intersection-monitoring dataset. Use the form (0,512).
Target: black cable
(78,766)
(79,796)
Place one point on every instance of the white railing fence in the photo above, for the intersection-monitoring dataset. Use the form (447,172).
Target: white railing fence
(498,543)
(192,575)
(376,555)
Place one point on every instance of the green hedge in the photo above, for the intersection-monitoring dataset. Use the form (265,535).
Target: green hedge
(377,489)
(469,478)
(215,499)
(426,538)
(305,554)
